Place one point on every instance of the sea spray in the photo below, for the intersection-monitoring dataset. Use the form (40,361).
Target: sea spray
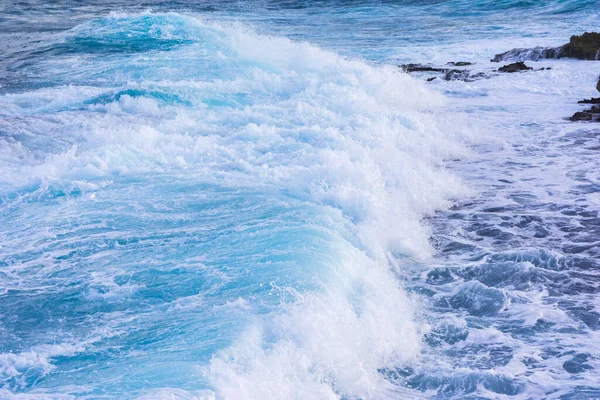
(143,163)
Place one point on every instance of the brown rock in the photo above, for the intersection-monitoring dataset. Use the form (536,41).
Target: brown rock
(584,47)
(514,67)
(593,100)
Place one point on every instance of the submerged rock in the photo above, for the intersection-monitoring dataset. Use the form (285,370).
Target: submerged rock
(421,68)
(514,67)
(593,114)
(535,54)
(583,47)
(463,75)
(460,63)
(448,74)
(581,116)
(593,100)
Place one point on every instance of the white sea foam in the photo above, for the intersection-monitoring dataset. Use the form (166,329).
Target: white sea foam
(365,141)
(177,394)
(13,365)
(366,147)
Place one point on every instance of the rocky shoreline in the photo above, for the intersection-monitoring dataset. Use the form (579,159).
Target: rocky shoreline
(583,47)
(591,114)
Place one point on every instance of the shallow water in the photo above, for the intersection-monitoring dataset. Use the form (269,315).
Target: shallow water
(250,200)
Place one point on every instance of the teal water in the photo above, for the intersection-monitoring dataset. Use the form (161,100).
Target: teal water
(249,200)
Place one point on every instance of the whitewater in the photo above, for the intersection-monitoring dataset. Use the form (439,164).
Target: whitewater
(252,201)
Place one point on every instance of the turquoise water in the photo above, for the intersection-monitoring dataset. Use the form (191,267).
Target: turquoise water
(250,200)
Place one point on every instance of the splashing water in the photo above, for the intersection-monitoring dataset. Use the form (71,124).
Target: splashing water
(199,207)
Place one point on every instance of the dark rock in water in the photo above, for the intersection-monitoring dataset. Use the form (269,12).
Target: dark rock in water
(463,75)
(593,114)
(598,85)
(456,74)
(421,68)
(449,74)
(460,63)
(584,47)
(537,53)
(581,116)
(514,67)
(593,100)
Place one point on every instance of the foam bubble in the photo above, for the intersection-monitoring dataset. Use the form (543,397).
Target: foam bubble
(360,144)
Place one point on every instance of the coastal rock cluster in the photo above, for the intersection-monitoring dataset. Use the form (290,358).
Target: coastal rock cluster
(447,74)
(451,74)
(582,47)
(591,114)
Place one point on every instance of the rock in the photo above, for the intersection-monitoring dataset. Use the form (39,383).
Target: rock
(514,67)
(460,63)
(581,116)
(421,68)
(593,114)
(463,75)
(584,47)
(456,75)
(428,68)
(535,54)
(593,100)
(449,74)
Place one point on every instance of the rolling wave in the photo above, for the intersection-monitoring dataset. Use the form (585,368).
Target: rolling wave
(182,191)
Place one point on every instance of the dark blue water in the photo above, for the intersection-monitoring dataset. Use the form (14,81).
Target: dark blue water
(242,200)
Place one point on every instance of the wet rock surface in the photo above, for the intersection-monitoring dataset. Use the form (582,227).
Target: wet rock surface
(460,63)
(593,100)
(582,47)
(447,74)
(421,68)
(463,75)
(593,114)
(524,54)
(515,67)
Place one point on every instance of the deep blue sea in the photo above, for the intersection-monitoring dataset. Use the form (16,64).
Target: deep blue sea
(250,200)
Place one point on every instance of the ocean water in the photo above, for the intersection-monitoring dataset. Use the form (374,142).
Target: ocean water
(250,200)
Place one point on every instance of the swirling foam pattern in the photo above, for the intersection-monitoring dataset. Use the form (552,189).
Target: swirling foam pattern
(248,200)
(192,205)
